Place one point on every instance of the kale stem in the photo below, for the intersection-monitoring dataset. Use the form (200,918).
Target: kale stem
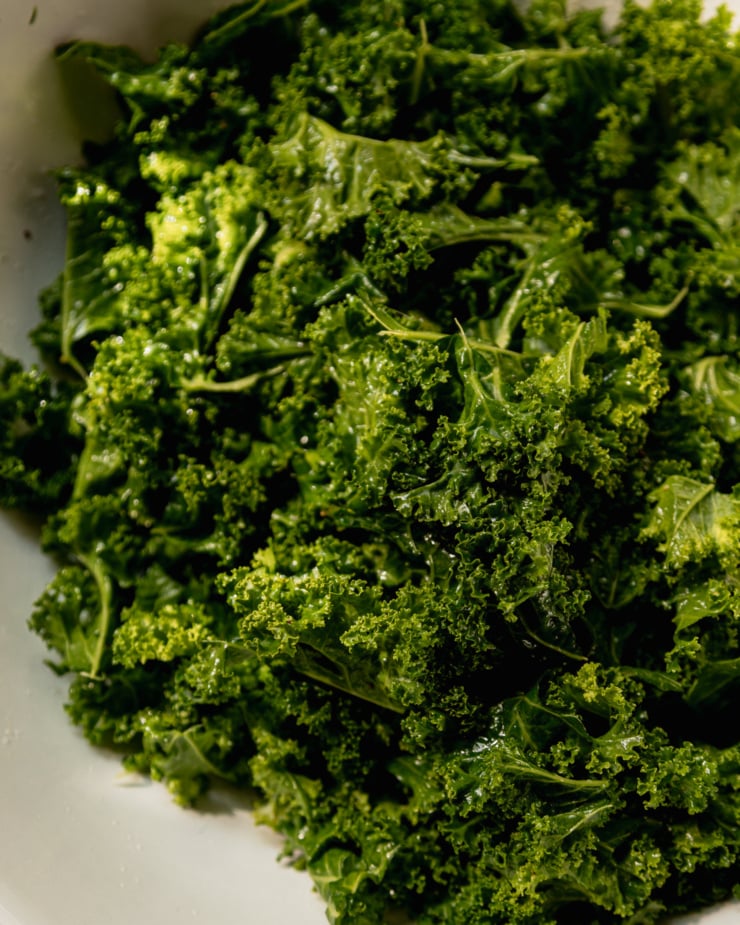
(207,765)
(224,297)
(509,317)
(244,384)
(105,591)
(551,645)
(513,55)
(419,64)
(66,355)
(648,311)
(249,13)
(302,664)
(399,331)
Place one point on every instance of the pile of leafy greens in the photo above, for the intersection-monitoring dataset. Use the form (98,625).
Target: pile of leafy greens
(388,438)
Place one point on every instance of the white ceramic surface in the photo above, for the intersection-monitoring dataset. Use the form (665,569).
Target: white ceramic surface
(81,843)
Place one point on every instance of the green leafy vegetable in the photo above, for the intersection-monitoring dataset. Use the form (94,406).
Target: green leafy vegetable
(389,447)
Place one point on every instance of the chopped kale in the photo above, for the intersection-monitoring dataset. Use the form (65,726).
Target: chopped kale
(389,449)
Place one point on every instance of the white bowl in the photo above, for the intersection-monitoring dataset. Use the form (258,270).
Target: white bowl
(81,843)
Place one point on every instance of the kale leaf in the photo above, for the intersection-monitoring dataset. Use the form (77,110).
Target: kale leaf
(388,447)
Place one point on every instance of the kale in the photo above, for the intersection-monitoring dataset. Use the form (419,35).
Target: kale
(387,440)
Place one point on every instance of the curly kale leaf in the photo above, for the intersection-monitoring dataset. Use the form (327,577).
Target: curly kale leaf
(693,520)
(37,451)
(714,386)
(388,447)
